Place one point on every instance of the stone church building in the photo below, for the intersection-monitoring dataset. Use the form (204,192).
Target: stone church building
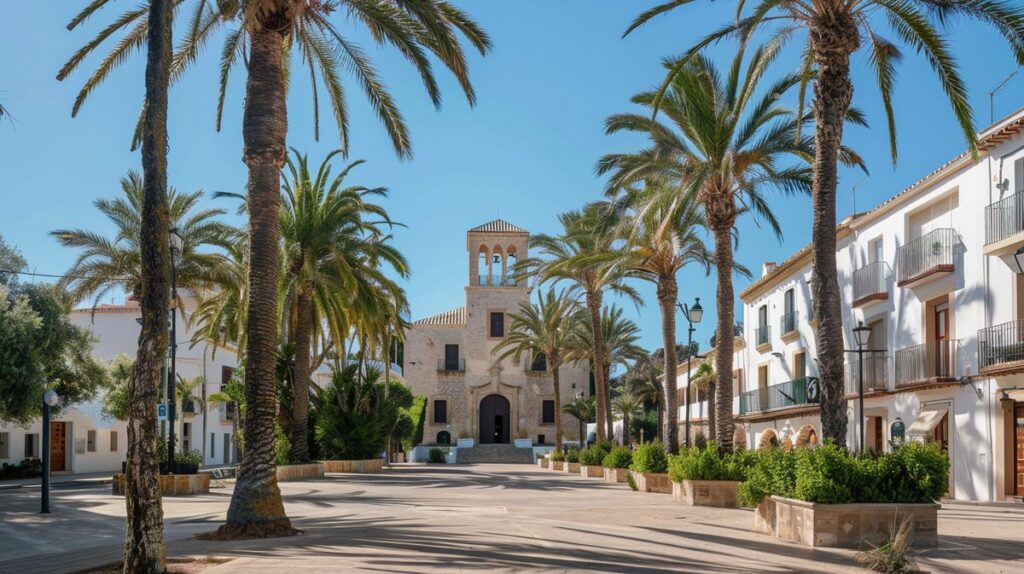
(449,356)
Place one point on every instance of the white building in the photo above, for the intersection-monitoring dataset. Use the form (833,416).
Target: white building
(931,272)
(84,441)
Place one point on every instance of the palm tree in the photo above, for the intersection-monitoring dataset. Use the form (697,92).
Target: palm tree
(661,239)
(106,264)
(185,392)
(722,148)
(336,253)
(232,393)
(835,30)
(544,328)
(219,316)
(704,378)
(263,34)
(628,406)
(584,256)
(584,411)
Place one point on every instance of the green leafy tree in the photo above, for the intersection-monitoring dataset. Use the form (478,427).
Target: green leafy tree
(116,402)
(11,262)
(834,30)
(619,334)
(543,328)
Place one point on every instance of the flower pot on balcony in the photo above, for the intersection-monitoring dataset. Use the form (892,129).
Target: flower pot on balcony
(717,493)
(464,443)
(844,525)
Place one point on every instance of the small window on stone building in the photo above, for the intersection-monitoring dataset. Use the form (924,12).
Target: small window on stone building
(497,324)
(444,437)
(440,411)
(113,441)
(547,412)
(540,439)
(90,441)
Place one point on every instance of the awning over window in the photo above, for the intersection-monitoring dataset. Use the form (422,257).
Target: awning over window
(927,421)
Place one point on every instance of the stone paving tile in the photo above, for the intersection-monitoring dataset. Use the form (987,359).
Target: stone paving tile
(494,518)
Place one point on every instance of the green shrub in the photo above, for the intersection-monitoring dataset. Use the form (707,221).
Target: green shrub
(772,473)
(27,468)
(826,474)
(572,455)
(282,447)
(438,456)
(708,464)
(557,456)
(618,457)
(650,457)
(594,455)
(417,415)
(192,458)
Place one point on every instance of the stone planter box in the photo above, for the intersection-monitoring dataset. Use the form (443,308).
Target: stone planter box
(523,443)
(652,482)
(615,475)
(171,484)
(591,471)
(844,525)
(358,466)
(543,463)
(717,493)
(571,468)
(558,465)
(300,471)
(465,443)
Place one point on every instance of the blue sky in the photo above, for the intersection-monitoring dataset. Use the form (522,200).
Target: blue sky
(525,153)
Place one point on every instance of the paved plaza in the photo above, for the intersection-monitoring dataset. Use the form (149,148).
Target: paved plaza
(495,518)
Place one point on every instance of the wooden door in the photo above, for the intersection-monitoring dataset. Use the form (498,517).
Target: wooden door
(879,435)
(942,343)
(58,446)
(1019,449)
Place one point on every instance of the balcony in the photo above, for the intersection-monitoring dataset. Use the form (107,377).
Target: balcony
(188,407)
(871,283)
(930,362)
(774,397)
(1004,225)
(876,374)
(451,365)
(789,326)
(763,338)
(1001,348)
(928,256)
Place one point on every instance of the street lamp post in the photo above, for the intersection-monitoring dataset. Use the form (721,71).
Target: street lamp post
(693,315)
(862,335)
(176,245)
(50,399)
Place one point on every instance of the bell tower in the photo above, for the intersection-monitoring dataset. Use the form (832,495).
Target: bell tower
(494,248)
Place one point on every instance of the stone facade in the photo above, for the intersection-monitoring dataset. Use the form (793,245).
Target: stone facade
(449,356)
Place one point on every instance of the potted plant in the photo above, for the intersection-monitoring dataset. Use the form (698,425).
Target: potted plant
(557,460)
(188,462)
(572,461)
(616,464)
(650,468)
(591,459)
(464,440)
(705,477)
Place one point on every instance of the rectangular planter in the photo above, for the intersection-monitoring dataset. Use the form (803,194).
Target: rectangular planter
(652,482)
(543,463)
(300,471)
(571,468)
(844,525)
(615,475)
(171,484)
(558,465)
(591,471)
(523,443)
(357,466)
(464,443)
(717,493)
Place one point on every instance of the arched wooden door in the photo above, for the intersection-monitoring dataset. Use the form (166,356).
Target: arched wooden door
(494,420)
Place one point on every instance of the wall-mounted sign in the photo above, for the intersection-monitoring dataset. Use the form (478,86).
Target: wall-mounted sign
(898,430)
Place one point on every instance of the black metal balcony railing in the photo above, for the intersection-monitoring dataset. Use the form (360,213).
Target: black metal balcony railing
(451,365)
(871,282)
(762,335)
(789,394)
(788,322)
(1000,344)
(1004,218)
(876,373)
(933,251)
(933,360)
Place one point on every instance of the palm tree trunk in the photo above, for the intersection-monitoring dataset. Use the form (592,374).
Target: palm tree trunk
(558,402)
(144,550)
(832,42)
(724,343)
(668,292)
(604,412)
(256,509)
(300,386)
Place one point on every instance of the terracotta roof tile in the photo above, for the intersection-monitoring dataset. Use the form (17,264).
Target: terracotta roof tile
(498,226)
(451,317)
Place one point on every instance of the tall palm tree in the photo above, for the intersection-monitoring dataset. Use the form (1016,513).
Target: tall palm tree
(219,317)
(584,255)
(722,147)
(265,34)
(661,239)
(106,264)
(629,407)
(542,328)
(835,30)
(583,410)
(704,378)
(336,253)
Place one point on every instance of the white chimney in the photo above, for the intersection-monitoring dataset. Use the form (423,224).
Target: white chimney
(767,267)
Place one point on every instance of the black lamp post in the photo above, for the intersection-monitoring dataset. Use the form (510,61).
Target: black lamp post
(176,245)
(693,315)
(50,399)
(862,335)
